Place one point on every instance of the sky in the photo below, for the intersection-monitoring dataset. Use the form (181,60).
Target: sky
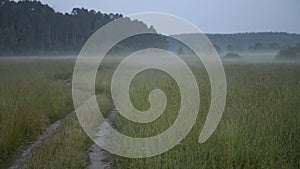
(211,16)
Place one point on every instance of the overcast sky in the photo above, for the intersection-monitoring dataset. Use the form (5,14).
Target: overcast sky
(211,16)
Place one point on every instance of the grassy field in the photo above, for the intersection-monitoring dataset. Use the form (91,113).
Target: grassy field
(259,129)
(68,147)
(32,96)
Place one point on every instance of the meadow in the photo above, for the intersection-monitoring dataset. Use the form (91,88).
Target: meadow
(32,96)
(34,93)
(259,128)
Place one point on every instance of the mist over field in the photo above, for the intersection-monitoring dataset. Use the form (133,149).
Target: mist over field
(228,97)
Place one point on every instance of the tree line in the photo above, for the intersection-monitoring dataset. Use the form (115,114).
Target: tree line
(32,28)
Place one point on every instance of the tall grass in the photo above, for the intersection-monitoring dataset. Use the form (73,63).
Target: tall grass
(259,129)
(69,146)
(32,95)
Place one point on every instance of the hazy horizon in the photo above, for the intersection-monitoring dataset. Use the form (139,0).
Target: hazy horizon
(211,17)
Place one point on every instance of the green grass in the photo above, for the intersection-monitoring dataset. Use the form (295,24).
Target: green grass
(259,129)
(32,96)
(68,147)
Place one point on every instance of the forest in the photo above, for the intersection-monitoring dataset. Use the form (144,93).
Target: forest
(33,28)
(30,28)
